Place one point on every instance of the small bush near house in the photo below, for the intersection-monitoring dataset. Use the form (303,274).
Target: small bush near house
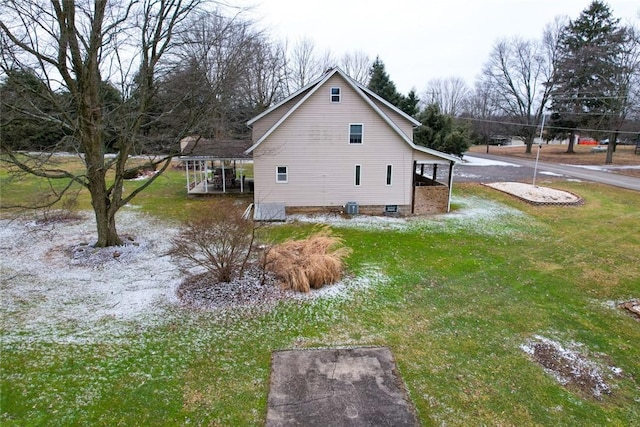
(218,239)
(301,265)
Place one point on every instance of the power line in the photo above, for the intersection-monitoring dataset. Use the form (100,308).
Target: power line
(546,126)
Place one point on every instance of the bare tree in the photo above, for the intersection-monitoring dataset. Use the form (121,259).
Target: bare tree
(625,102)
(303,64)
(480,110)
(449,94)
(357,66)
(73,47)
(520,73)
(266,80)
(243,71)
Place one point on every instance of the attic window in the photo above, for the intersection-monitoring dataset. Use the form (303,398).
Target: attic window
(335,94)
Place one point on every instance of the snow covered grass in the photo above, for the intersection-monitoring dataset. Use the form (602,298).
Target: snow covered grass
(472,215)
(98,337)
(57,286)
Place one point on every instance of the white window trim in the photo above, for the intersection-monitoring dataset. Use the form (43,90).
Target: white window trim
(357,175)
(388,175)
(361,135)
(286,174)
(339,95)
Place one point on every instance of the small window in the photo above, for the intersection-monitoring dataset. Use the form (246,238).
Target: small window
(282,174)
(357,175)
(335,94)
(389,174)
(355,134)
(391,209)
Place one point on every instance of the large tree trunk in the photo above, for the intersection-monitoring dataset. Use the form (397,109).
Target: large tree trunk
(106,226)
(529,143)
(613,140)
(572,137)
(101,201)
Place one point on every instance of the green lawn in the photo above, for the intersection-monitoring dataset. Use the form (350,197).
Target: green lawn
(454,297)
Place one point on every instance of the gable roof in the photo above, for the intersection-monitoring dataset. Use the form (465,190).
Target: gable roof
(366,94)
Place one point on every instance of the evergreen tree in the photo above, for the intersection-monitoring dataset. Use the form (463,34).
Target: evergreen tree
(440,132)
(409,103)
(586,93)
(26,113)
(381,84)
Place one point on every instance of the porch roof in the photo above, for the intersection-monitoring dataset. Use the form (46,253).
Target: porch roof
(197,148)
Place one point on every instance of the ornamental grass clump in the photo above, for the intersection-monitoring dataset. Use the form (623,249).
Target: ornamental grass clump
(302,265)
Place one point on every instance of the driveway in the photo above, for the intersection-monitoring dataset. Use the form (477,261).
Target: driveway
(491,168)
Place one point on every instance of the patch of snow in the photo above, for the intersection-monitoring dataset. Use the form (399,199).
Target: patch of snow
(474,214)
(356,221)
(568,366)
(605,168)
(550,173)
(57,286)
(478,161)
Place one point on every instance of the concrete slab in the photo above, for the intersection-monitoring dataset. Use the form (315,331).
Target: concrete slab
(337,387)
(269,212)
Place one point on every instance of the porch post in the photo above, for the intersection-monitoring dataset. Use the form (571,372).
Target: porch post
(224,186)
(435,171)
(451,164)
(187,173)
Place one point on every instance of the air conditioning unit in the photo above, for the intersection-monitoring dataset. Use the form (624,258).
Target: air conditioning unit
(351,208)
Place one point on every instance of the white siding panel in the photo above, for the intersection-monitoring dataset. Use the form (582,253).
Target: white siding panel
(314,144)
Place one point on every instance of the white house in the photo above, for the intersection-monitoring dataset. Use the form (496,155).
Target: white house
(336,144)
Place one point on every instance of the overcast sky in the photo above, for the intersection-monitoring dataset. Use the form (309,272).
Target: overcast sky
(419,40)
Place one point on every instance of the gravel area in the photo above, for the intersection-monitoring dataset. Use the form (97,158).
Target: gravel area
(535,194)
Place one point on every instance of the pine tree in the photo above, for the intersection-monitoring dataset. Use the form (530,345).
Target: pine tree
(380,83)
(585,90)
(441,132)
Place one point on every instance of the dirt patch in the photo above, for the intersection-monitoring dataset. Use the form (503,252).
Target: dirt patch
(571,368)
(632,307)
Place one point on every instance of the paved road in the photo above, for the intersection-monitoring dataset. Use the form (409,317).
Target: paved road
(526,169)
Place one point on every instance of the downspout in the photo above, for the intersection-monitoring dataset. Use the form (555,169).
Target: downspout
(413,189)
(451,164)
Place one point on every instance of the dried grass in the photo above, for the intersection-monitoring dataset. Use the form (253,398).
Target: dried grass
(302,265)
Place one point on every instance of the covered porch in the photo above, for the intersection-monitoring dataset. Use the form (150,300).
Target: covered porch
(429,194)
(216,166)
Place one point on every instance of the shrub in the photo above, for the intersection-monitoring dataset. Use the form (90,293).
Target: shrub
(301,265)
(217,239)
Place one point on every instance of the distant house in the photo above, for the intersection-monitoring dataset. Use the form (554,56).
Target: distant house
(334,144)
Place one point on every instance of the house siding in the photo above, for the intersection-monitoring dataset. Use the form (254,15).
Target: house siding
(402,123)
(261,126)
